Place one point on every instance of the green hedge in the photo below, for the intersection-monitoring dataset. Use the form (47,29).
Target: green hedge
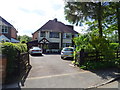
(11,50)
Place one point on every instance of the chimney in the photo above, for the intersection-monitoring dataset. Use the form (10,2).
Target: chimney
(55,19)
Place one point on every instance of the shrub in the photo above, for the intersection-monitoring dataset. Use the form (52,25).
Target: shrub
(100,44)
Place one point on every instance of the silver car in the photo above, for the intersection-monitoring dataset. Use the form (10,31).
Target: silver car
(67,52)
(35,50)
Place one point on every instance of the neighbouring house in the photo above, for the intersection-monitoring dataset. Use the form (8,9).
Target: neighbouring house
(7,32)
(54,35)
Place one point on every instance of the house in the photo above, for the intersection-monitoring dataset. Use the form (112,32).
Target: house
(7,31)
(54,35)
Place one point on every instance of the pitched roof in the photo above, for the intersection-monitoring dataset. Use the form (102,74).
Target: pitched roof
(4,21)
(56,26)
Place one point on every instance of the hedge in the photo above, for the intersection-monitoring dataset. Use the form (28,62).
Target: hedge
(11,50)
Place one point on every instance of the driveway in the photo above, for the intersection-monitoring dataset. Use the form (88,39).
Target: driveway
(48,65)
(50,71)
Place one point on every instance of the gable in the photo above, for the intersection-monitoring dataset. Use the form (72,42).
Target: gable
(44,40)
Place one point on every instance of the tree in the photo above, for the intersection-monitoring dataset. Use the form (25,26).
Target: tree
(18,37)
(24,39)
(112,19)
(77,12)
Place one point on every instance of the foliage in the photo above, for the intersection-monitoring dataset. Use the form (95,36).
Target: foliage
(114,46)
(90,65)
(103,19)
(82,42)
(113,17)
(24,38)
(103,45)
(77,12)
(11,51)
(96,43)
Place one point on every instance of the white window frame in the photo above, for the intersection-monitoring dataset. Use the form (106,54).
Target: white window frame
(4,29)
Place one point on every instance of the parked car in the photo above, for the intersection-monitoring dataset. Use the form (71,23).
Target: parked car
(35,51)
(67,52)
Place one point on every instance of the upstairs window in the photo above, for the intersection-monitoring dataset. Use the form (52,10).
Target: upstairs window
(42,34)
(54,35)
(67,35)
(4,29)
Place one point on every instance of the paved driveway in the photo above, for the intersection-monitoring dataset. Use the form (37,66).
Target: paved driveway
(50,71)
(48,65)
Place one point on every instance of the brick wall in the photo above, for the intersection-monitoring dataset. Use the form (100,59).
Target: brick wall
(35,36)
(13,33)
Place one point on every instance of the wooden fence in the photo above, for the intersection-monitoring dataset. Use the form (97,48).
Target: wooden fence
(95,56)
(20,70)
(23,67)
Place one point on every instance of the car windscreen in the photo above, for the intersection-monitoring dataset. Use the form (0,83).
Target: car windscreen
(68,49)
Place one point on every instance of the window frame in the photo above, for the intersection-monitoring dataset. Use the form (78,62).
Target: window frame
(42,35)
(52,35)
(65,35)
(4,29)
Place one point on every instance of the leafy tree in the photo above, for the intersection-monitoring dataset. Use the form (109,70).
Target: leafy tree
(113,17)
(24,38)
(77,12)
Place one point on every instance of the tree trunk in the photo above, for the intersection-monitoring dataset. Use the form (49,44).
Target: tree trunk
(118,19)
(100,19)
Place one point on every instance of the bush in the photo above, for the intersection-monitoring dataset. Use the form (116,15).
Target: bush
(100,44)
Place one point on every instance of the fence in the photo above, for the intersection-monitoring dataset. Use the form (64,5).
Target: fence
(20,69)
(95,56)
(23,66)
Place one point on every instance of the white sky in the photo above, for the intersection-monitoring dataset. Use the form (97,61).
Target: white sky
(29,15)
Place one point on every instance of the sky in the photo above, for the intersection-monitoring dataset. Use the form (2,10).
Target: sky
(27,16)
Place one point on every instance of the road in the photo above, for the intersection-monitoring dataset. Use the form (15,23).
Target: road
(50,71)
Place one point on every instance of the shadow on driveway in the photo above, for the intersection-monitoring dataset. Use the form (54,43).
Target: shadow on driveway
(106,73)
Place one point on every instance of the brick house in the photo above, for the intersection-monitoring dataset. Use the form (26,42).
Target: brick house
(54,35)
(7,31)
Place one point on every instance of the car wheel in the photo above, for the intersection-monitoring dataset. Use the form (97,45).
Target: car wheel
(62,57)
